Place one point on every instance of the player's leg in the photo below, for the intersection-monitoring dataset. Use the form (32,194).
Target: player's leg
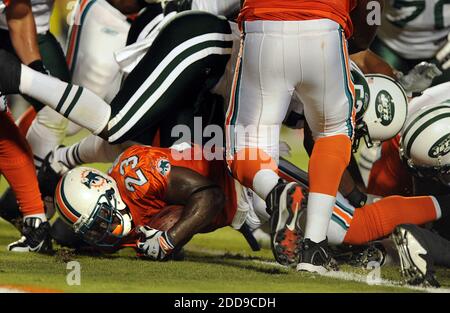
(327,93)
(188,56)
(16,165)
(74,102)
(98,31)
(48,129)
(261,93)
(379,219)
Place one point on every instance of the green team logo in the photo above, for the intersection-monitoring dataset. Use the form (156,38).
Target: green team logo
(440,147)
(362,94)
(163,166)
(384,108)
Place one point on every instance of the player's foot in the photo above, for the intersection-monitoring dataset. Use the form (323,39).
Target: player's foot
(417,266)
(10,70)
(285,205)
(49,174)
(35,237)
(315,257)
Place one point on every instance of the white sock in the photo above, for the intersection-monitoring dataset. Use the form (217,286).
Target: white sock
(264,181)
(78,104)
(318,216)
(89,150)
(45,133)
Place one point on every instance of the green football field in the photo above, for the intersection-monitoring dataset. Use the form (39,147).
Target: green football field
(217,262)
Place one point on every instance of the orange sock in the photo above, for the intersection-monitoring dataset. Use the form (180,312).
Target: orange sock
(329,159)
(379,219)
(248,162)
(16,164)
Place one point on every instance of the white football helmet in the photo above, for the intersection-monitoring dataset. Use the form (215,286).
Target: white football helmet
(425,143)
(386,110)
(89,200)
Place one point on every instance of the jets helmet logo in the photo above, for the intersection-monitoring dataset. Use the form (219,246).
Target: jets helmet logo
(385,108)
(440,147)
(163,166)
(92,179)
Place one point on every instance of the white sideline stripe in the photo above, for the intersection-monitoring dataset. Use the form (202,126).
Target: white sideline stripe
(10,290)
(340,275)
(363,279)
(161,89)
(166,61)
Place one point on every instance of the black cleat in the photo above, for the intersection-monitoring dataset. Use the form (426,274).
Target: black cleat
(315,257)
(10,69)
(286,204)
(417,265)
(35,237)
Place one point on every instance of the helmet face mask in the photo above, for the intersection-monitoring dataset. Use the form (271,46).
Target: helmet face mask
(104,227)
(89,200)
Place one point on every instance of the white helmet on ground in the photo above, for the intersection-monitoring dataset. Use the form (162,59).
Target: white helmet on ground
(385,113)
(90,201)
(425,144)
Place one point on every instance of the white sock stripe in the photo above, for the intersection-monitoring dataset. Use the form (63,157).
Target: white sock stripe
(437,207)
(160,91)
(166,61)
(150,26)
(69,99)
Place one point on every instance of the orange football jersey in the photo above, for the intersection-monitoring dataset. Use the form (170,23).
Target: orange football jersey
(142,174)
(297,10)
(389,176)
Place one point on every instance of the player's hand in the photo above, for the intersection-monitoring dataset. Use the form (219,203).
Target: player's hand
(154,244)
(420,77)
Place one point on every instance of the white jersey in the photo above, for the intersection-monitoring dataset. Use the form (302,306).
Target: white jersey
(42,10)
(415,29)
(432,96)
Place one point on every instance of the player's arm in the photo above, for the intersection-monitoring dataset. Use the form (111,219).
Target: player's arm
(370,63)
(363,31)
(202,200)
(22,29)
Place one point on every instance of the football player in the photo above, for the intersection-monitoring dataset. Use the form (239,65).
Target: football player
(412,32)
(295,47)
(19,36)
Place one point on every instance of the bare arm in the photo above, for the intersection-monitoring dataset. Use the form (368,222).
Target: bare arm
(370,63)
(22,29)
(202,201)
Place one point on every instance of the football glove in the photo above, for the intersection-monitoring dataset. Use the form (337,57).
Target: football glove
(154,244)
(419,78)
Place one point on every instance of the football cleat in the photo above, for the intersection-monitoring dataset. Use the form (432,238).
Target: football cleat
(315,257)
(417,265)
(10,68)
(286,204)
(35,237)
